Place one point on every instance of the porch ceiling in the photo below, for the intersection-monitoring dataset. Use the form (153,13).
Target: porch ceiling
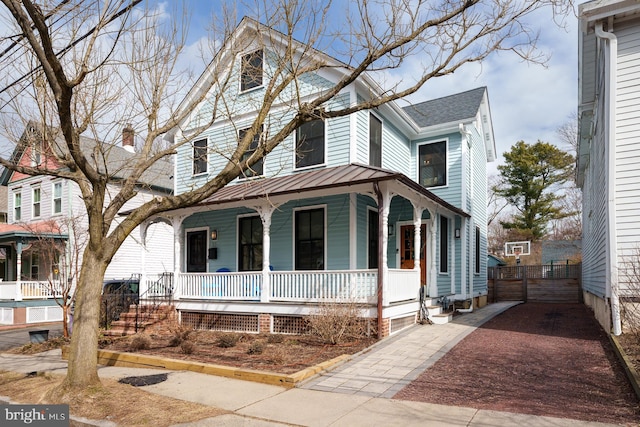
(352,177)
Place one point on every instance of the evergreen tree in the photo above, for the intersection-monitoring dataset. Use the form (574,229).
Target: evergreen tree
(530,181)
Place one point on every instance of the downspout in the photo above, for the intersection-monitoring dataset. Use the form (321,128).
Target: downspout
(610,108)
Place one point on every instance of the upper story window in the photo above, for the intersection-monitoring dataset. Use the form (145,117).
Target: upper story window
(310,144)
(432,164)
(35,202)
(17,206)
(200,157)
(251,70)
(375,141)
(57,197)
(257,168)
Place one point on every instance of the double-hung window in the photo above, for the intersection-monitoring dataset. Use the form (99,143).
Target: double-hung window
(310,144)
(309,239)
(251,70)
(57,198)
(257,168)
(200,156)
(432,164)
(375,141)
(250,244)
(35,202)
(17,206)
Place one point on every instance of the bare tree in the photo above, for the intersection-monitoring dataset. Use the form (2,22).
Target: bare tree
(495,202)
(101,64)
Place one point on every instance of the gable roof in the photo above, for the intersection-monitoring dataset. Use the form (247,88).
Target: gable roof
(107,158)
(453,108)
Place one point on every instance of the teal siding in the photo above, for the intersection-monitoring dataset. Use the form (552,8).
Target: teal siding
(478,205)
(282,255)
(396,151)
(362,137)
(363,203)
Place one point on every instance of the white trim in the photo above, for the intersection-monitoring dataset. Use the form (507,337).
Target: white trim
(417,160)
(293,233)
(353,232)
(353,127)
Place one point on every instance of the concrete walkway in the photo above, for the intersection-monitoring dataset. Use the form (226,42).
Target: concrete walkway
(396,361)
(356,393)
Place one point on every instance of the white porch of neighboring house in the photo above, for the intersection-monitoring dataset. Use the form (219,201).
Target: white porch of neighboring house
(27,297)
(271,300)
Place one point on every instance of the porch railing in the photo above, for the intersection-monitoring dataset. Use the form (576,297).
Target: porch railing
(403,285)
(30,290)
(299,286)
(337,285)
(244,285)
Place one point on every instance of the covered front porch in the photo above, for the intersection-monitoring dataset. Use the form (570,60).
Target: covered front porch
(249,248)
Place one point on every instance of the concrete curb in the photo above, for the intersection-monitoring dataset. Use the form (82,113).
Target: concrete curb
(134,360)
(629,369)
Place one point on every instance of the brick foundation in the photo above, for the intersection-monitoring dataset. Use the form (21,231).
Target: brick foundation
(264,323)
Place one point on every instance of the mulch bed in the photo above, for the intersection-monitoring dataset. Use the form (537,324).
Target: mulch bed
(540,359)
(285,354)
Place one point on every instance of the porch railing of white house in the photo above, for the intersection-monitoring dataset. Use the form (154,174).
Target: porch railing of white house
(299,286)
(30,290)
(243,286)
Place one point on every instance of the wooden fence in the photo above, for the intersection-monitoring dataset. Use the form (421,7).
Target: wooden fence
(535,283)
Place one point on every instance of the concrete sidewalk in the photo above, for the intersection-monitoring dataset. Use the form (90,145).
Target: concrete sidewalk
(357,393)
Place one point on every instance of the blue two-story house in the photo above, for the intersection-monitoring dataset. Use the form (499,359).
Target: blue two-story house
(365,208)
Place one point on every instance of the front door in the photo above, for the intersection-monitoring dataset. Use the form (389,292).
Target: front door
(406,250)
(197,251)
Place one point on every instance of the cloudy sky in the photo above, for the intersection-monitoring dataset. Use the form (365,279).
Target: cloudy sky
(528,102)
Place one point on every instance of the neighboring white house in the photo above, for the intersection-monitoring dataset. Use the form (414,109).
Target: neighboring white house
(43,207)
(302,227)
(609,152)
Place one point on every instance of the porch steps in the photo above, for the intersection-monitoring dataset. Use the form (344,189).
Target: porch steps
(149,316)
(435,313)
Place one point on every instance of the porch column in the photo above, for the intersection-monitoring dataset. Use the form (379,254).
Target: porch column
(433,277)
(19,271)
(142,286)
(265,215)
(178,243)
(384,201)
(417,222)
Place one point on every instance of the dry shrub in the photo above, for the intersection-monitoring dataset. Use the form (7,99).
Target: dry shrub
(277,355)
(336,322)
(256,347)
(140,342)
(187,347)
(227,340)
(180,334)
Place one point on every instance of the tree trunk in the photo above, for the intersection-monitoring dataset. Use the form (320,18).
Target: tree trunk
(83,354)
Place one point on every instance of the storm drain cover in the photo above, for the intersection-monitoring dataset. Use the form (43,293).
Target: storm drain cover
(144,380)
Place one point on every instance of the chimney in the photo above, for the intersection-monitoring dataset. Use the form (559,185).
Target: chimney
(127,138)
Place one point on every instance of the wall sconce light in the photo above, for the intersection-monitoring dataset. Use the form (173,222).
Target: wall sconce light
(214,234)
(390,230)
(457,233)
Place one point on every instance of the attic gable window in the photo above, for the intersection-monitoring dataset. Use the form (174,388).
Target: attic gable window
(200,157)
(257,168)
(432,164)
(251,70)
(310,144)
